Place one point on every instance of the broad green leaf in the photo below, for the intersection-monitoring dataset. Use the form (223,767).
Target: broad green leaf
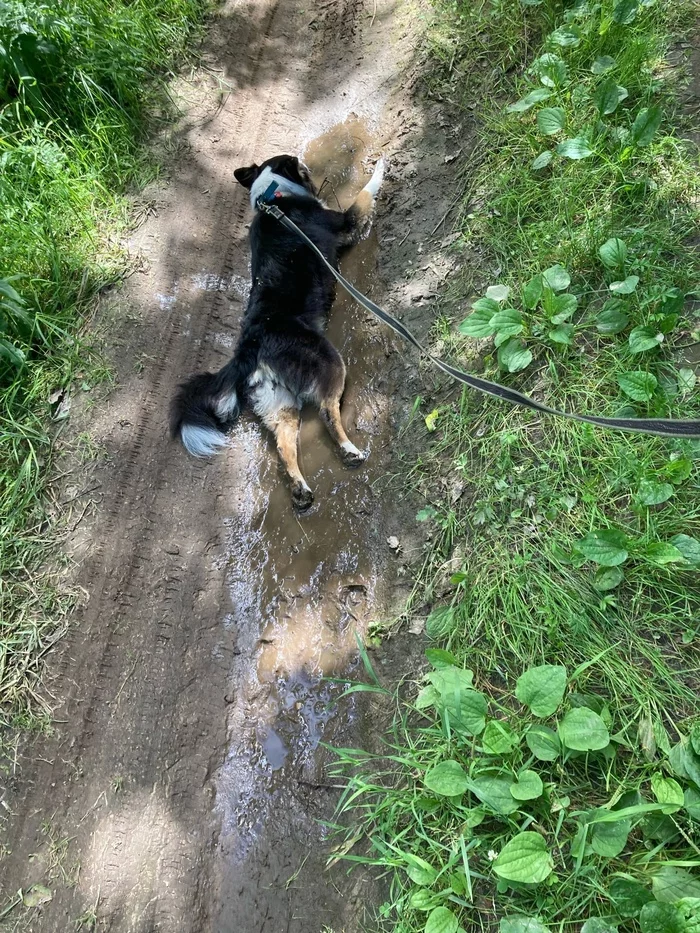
(448,778)
(513,355)
(525,103)
(557,278)
(625,11)
(478,324)
(684,762)
(612,318)
(498,738)
(609,96)
(660,828)
(610,838)
(542,160)
(486,304)
(521,925)
(582,730)
(646,125)
(678,470)
(602,64)
(661,736)
(441,622)
(418,870)
(543,742)
(644,338)
(686,380)
(613,253)
(551,120)
(551,69)
(563,334)
(628,897)
(524,859)
(439,658)
(533,292)
(670,884)
(661,918)
(689,548)
(497,293)
(542,688)
(495,794)
(695,737)
(37,895)
(691,803)
(450,679)
(528,786)
(441,920)
(577,148)
(561,307)
(427,697)
(423,899)
(626,286)
(607,578)
(605,546)
(458,883)
(638,385)
(464,707)
(662,553)
(568,36)
(598,925)
(508,322)
(653,493)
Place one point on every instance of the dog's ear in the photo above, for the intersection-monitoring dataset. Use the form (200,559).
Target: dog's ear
(247,175)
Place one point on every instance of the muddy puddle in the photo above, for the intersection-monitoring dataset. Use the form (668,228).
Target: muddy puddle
(302,589)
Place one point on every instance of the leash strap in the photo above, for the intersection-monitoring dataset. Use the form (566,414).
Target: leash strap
(663,427)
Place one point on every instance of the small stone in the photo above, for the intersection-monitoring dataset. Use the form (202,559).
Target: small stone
(393,543)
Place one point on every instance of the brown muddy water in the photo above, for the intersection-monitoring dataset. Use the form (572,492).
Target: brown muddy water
(302,588)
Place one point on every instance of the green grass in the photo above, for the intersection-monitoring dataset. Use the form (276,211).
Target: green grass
(518,504)
(81,84)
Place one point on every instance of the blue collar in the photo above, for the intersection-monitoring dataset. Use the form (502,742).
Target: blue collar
(269,194)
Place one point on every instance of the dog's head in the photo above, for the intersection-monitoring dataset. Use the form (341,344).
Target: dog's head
(282,167)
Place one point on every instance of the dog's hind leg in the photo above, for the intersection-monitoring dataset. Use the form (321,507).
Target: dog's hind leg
(285,425)
(332,387)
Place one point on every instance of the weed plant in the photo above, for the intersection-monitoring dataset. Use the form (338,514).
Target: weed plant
(80,82)
(554,542)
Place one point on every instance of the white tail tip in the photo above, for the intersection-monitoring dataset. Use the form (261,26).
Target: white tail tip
(202,442)
(375,182)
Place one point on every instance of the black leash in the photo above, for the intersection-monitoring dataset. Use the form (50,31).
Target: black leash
(663,427)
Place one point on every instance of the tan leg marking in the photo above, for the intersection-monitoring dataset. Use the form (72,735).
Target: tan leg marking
(285,424)
(330,413)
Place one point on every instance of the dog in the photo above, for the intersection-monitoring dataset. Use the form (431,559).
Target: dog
(283,358)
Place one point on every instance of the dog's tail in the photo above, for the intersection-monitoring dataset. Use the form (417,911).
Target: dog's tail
(203,408)
(375,182)
(357,219)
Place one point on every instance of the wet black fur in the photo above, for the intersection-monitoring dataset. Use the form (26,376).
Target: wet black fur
(290,300)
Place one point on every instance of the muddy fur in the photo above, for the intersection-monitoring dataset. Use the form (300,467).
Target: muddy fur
(283,358)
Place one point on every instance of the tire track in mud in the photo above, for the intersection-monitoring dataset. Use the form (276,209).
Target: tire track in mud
(130,773)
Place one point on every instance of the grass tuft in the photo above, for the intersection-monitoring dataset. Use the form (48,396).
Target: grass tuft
(80,84)
(554,542)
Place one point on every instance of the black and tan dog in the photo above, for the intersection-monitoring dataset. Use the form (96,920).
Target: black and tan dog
(283,358)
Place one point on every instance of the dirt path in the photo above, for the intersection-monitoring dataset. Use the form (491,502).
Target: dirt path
(183,782)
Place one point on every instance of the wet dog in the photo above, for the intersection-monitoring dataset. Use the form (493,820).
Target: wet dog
(283,358)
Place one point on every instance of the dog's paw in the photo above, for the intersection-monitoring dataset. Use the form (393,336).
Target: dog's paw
(302,497)
(352,457)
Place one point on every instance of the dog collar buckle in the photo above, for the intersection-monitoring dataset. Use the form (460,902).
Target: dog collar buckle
(269,194)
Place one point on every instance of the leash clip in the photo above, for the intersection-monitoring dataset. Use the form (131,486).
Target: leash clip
(266,197)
